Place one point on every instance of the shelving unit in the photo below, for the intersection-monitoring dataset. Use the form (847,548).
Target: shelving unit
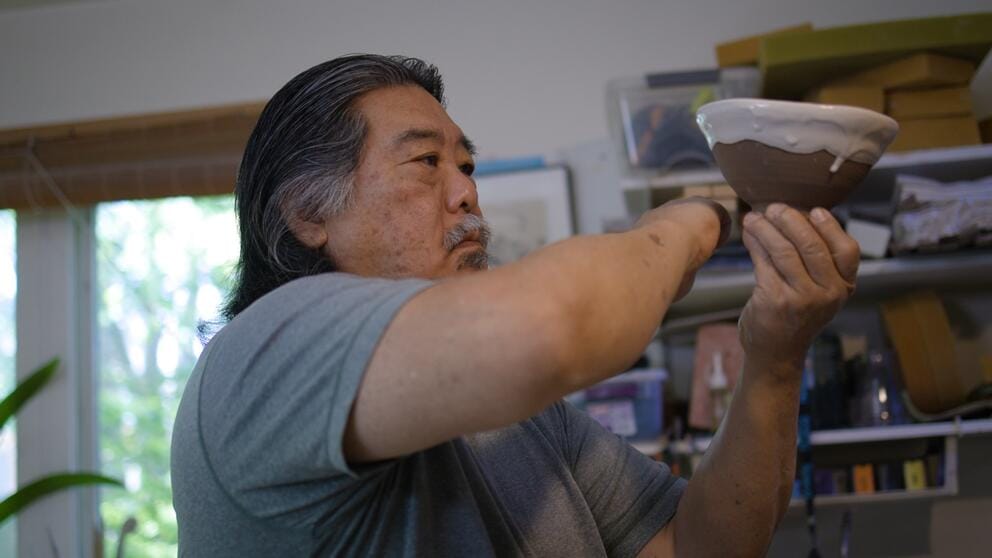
(720,292)
(950,431)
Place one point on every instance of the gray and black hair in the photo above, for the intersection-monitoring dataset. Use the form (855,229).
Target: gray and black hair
(299,163)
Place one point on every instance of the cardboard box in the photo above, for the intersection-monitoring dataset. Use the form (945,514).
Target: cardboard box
(864,478)
(745,51)
(931,133)
(720,191)
(921,334)
(793,64)
(871,98)
(929,103)
(918,70)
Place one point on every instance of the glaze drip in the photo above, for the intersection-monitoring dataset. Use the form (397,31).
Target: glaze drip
(848,133)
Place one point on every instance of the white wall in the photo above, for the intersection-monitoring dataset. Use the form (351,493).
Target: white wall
(524,76)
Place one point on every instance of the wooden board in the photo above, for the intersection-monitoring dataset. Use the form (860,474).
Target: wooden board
(793,64)
(931,133)
(747,50)
(929,103)
(194,152)
(871,98)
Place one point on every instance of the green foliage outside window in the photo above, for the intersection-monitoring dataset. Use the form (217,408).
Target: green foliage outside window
(162,267)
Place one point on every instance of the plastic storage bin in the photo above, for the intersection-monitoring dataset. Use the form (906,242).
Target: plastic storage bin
(629,405)
(653,118)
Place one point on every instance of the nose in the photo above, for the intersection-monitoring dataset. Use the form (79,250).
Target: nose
(462,193)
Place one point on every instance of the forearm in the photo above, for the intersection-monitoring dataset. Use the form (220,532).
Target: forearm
(614,291)
(742,487)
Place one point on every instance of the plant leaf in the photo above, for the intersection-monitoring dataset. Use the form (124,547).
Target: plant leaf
(26,390)
(46,485)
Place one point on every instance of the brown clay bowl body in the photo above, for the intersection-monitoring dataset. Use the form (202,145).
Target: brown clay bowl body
(762,175)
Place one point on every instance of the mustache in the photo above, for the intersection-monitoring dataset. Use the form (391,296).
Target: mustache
(471,224)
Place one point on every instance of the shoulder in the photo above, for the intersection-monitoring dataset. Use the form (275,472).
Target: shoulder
(335,294)
(322,311)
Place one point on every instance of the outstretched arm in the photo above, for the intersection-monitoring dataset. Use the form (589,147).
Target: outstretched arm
(479,352)
(805,269)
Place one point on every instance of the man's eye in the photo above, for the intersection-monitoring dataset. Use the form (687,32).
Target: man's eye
(429,160)
(467,169)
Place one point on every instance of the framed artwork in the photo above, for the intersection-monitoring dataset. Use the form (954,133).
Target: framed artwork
(526,210)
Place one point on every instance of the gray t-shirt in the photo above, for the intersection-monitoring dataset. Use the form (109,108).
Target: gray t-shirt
(258,468)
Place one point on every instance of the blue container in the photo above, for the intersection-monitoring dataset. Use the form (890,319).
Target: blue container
(629,405)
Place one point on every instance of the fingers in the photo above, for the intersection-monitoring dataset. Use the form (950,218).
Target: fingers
(764,270)
(843,249)
(812,249)
(780,251)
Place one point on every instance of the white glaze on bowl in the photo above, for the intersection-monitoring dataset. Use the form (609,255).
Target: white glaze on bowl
(848,133)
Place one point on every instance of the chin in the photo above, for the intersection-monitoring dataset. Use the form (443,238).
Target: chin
(477,260)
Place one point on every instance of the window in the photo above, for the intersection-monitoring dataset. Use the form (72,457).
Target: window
(8,374)
(162,266)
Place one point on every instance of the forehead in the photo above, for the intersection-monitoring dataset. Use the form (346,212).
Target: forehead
(392,110)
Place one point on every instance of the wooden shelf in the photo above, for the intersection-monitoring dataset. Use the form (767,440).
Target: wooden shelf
(674,179)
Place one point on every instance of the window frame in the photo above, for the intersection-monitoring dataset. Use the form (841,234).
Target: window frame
(56,318)
(53,175)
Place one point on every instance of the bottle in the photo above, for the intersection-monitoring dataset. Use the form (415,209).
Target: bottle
(719,390)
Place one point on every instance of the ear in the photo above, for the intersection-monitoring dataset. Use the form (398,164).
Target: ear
(311,234)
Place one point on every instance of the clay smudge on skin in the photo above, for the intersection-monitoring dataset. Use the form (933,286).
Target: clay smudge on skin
(656,239)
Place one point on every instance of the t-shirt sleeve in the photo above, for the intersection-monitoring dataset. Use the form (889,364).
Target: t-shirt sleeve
(279,383)
(630,495)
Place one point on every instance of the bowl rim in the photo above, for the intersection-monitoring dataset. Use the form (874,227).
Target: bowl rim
(782,103)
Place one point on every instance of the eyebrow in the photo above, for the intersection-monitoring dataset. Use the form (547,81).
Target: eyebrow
(417,134)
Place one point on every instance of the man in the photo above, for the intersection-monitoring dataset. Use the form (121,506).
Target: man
(377,393)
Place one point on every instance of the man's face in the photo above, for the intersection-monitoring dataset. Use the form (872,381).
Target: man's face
(415,210)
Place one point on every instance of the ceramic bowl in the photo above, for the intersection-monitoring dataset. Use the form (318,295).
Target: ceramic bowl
(803,154)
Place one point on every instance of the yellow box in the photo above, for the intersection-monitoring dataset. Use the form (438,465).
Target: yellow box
(871,98)
(929,103)
(931,133)
(923,340)
(918,70)
(744,51)
(914,474)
